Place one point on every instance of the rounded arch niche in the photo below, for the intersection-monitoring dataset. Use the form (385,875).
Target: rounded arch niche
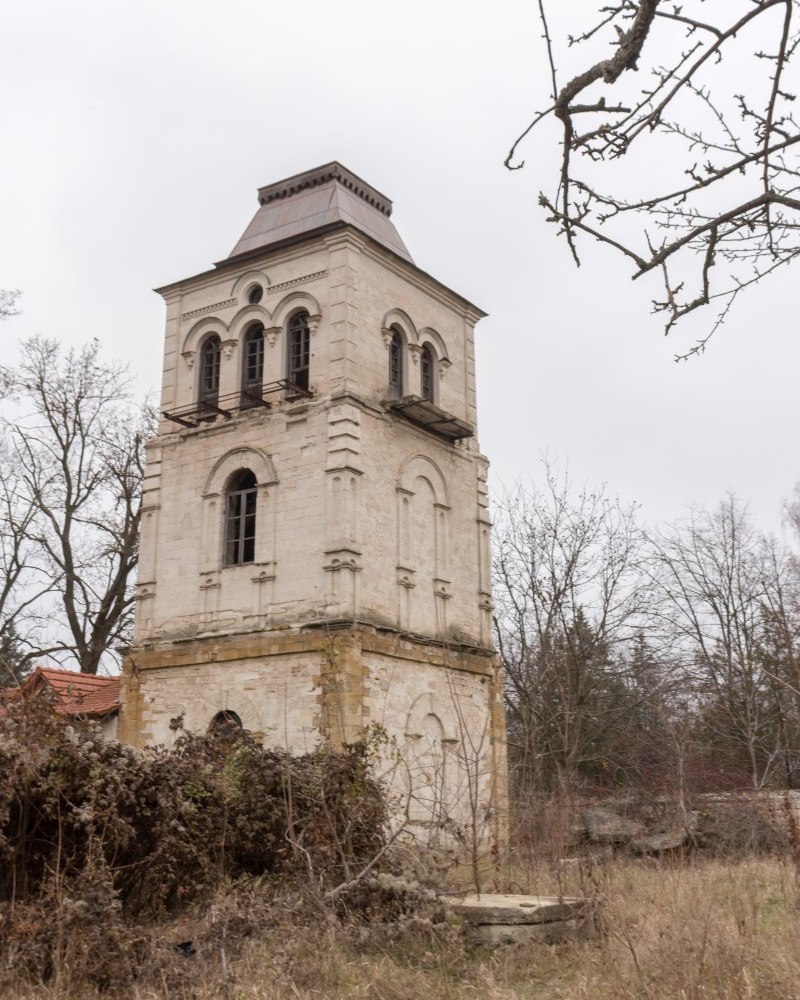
(419,722)
(431,736)
(296,302)
(213,547)
(400,319)
(422,467)
(259,463)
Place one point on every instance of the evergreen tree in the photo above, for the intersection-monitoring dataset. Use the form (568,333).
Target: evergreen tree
(13,666)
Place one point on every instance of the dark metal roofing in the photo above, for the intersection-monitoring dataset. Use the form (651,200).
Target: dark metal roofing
(319,199)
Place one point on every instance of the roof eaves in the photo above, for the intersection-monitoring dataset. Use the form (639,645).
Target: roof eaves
(230,262)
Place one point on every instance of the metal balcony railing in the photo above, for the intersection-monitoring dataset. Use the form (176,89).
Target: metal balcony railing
(204,410)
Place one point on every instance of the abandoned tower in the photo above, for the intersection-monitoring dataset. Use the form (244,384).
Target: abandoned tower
(315,533)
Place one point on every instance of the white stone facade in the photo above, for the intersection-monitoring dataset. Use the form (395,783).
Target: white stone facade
(371,529)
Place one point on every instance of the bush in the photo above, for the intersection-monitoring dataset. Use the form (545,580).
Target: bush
(95,833)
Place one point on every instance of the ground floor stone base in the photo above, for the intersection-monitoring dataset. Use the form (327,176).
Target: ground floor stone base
(432,711)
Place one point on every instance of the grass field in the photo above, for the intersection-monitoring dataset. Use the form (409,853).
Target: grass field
(684,930)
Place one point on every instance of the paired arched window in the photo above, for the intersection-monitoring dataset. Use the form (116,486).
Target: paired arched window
(252,365)
(299,350)
(209,371)
(396,364)
(240,519)
(253,362)
(427,368)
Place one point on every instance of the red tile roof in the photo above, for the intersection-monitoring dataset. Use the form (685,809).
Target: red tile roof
(73,693)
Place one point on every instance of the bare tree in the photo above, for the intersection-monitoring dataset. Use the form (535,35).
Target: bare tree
(569,593)
(76,449)
(25,581)
(8,303)
(698,95)
(718,578)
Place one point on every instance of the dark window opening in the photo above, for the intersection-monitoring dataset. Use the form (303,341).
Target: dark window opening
(240,519)
(225,722)
(299,350)
(209,371)
(253,365)
(255,295)
(396,365)
(426,363)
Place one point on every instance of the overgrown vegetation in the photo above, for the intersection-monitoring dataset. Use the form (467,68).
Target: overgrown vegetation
(96,837)
(219,869)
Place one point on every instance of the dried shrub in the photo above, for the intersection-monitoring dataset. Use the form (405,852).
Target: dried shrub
(95,835)
(391,911)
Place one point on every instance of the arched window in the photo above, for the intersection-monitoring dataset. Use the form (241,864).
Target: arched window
(396,364)
(225,722)
(299,350)
(427,367)
(252,365)
(240,519)
(209,371)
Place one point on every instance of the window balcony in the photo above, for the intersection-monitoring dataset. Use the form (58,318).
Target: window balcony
(204,410)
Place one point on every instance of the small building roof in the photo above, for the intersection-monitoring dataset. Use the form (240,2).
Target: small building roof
(73,693)
(316,200)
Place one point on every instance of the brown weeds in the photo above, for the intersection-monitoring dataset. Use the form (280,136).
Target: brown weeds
(687,928)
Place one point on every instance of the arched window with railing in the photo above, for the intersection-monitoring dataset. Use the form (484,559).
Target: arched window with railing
(299,350)
(252,365)
(427,369)
(240,519)
(209,371)
(396,368)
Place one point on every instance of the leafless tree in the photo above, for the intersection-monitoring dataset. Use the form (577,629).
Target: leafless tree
(8,303)
(721,582)
(792,511)
(569,593)
(73,508)
(780,650)
(698,96)
(24,579)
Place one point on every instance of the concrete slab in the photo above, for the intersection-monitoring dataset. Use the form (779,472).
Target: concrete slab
(512,918)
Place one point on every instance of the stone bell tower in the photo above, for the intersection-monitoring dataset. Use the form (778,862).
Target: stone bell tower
(315,532)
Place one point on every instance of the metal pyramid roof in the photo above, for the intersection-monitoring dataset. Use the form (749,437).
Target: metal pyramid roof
(324,198)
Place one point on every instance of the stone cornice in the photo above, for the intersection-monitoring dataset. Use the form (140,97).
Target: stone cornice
(208,309)
(322,175)
(314,635)
(269,290)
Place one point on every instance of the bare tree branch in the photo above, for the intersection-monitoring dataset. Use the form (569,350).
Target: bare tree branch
(736,145)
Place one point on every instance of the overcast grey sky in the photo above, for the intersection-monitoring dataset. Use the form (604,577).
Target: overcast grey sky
(135,137)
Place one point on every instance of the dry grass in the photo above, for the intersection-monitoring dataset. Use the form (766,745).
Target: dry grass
(688,931)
